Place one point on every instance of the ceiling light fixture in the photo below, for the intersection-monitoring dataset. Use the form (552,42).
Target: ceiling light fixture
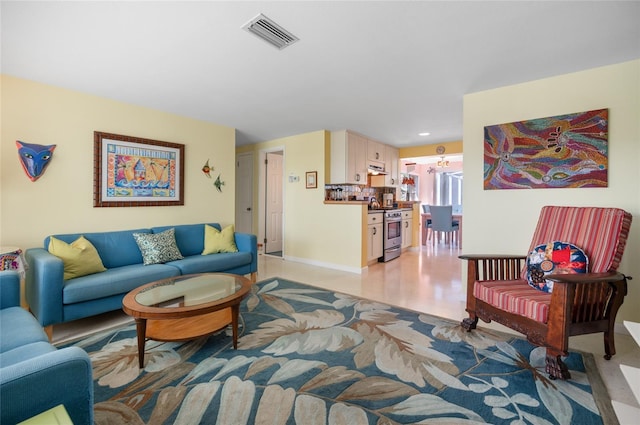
(270,32)
(424,134)
(443,162)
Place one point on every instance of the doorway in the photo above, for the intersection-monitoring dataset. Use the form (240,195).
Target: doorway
(244,193)
(273,203)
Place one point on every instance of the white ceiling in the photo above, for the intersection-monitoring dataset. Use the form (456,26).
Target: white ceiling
(386,69)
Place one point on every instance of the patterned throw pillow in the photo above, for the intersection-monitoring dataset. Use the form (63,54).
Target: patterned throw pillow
(554,258)
(158,247)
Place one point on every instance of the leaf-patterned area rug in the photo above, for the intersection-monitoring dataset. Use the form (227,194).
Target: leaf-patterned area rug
(311,356)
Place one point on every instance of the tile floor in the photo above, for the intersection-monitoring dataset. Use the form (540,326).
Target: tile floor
(425,279)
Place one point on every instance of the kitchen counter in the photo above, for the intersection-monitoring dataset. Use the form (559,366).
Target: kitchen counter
(370,211)
(346,202)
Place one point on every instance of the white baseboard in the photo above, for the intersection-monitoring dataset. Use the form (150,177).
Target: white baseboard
(325,265)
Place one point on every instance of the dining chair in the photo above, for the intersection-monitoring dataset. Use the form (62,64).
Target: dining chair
(426,226)
(442,222)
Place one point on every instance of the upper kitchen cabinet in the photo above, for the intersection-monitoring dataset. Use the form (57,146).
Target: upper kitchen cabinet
(348,158)
(391,178)
(392,166)
(375,151)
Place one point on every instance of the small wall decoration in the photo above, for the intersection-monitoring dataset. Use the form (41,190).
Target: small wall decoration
(136,172)
(34,158)
(312,179)
(206,169)
(564,151)
(218,183)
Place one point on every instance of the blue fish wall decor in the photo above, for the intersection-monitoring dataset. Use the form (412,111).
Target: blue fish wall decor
(34,158)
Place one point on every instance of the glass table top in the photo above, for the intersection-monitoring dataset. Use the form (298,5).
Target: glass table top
(186,291)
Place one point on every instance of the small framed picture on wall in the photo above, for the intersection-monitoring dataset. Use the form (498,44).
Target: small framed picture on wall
(312,179)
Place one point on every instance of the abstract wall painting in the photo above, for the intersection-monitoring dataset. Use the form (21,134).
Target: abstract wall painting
(564,151)
(136,172)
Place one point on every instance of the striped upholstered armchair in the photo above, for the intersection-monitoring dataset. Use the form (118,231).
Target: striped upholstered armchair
(567,285)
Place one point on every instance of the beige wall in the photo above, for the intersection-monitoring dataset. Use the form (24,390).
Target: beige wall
(61,201)
(314,233)
(502,221)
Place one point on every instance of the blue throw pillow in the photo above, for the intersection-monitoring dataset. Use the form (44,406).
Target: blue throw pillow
(554,258)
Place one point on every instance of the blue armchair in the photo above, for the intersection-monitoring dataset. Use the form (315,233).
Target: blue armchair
(34,375)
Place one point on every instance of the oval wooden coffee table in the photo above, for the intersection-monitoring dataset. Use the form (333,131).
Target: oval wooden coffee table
(186,307)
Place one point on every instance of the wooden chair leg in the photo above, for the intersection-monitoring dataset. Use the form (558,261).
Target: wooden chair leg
(609,343)
(49,331)
(469,323)
(555,367)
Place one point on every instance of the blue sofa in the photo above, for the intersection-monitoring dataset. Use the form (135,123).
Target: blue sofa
(53,300)
(34,375)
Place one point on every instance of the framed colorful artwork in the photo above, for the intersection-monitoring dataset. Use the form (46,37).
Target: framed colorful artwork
(564,151)
(136,172)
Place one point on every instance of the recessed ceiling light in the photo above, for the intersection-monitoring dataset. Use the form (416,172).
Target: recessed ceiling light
(424,134)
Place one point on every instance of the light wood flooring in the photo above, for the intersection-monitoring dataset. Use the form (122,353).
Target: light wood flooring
(425,279)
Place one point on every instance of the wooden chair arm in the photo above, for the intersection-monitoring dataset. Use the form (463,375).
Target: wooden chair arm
(587,277)
(476,257)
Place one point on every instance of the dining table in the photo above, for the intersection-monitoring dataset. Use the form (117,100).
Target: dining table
(426,216)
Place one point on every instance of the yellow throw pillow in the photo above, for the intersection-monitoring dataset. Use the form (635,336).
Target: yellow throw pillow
(219,241)
(80,258)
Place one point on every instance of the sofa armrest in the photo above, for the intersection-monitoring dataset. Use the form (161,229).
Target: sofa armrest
(247,242)
(59,377)
(9,289)
(44,284)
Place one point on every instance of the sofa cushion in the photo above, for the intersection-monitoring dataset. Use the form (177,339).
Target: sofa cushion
(189,237)
(115,281)
(554,258)
(116,249)
(80,257)
(216,241)
(19,327)
(212,263)
(514,296)
(25,352)
(158,248)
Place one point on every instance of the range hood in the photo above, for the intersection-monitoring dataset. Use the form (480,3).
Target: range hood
(375,169)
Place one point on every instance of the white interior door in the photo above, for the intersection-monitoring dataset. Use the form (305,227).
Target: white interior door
(244,193)
(274,207)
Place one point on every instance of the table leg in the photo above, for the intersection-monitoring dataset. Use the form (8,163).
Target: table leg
(141,328)
(235,312)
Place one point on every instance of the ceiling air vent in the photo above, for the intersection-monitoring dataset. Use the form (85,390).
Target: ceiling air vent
(270,32)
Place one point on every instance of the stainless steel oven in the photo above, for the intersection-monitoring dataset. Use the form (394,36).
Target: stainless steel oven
(392,235)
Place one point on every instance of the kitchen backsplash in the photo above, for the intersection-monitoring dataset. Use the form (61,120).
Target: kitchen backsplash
(353,192)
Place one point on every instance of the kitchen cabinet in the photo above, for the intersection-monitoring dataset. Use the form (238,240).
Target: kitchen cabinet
(374,236)
(348,158)
(407,228)
(375,151)
(392,166)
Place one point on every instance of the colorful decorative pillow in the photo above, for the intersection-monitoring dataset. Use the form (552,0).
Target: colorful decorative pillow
(158,247)
(80,258)
(554,258)
(219,241)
